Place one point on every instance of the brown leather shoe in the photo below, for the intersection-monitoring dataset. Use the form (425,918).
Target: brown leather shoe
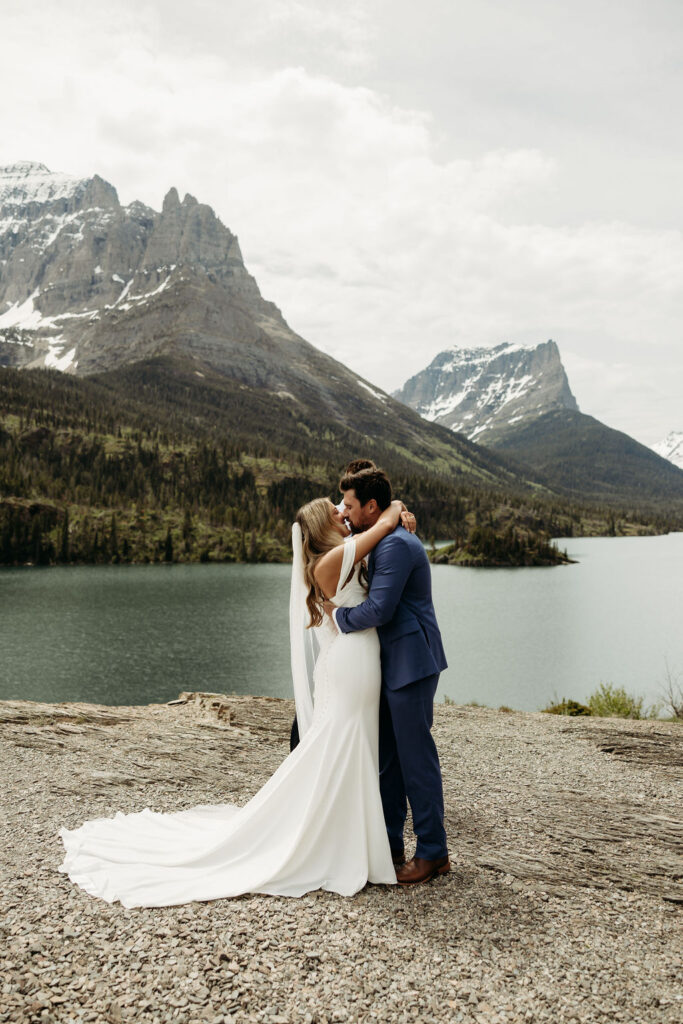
(421,870)
(398,857)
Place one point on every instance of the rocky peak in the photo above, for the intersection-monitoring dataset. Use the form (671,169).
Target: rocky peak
(99,193)
(27,184)
(191,233)
(20,170)
(481,392)
(171,201)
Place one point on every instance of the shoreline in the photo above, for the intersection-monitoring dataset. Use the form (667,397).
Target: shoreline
(562,903)
(433,552)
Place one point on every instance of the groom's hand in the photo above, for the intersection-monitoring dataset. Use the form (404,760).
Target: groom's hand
(328,608)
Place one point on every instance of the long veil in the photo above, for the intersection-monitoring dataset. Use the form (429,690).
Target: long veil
(303,645)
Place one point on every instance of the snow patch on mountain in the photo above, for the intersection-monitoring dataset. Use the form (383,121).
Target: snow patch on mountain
(26,317)
(54,358)
(372,391)
(671,448)
(23,315)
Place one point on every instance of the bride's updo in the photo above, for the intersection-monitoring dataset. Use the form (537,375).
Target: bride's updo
(319,536)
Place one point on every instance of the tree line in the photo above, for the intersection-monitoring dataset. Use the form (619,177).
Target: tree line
(87,475)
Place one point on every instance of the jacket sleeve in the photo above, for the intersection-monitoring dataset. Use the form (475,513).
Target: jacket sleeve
(393,565)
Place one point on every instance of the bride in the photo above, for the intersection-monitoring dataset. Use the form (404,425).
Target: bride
(318,821)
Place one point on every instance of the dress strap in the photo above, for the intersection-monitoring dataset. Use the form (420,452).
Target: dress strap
(348,560)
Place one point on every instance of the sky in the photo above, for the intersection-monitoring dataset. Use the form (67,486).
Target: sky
(403,178)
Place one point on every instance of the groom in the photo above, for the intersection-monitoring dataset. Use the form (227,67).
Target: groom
(399,604)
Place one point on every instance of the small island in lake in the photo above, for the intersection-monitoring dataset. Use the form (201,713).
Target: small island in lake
(486,547)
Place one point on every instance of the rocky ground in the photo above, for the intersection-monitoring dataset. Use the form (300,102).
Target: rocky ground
(563,903)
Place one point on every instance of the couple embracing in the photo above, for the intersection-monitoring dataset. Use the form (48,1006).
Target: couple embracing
(366,657)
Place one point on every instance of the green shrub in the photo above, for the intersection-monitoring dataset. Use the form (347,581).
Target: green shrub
(610,701)
(567,707)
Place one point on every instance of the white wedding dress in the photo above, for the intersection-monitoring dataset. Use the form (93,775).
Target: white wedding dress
(316,824)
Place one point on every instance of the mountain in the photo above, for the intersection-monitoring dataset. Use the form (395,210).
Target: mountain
(88,286)
(482,392)
(671,448)
(517,401)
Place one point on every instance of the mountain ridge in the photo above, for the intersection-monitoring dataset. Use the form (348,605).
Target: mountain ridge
(577,455)
(90,289)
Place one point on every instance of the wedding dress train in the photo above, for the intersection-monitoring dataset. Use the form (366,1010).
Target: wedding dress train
(316,824)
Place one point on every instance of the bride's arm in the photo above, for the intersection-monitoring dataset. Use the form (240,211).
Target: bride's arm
(328,568)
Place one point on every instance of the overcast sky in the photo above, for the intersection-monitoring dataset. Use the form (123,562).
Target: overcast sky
(403,177)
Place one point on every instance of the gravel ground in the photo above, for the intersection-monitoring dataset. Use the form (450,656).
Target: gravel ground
(563,903)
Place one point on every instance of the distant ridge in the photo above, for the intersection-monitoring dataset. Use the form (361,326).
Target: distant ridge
(579,456)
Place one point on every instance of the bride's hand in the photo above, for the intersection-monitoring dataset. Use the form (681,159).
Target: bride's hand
(408,520)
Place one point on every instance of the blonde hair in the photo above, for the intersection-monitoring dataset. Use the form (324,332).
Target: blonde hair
(318,537)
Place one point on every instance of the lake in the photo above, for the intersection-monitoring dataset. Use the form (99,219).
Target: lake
(521,637)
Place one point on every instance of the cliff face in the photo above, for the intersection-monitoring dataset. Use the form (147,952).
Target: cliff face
(87,284)
(482,392)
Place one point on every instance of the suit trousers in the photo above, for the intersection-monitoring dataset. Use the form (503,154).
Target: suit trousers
(409,769)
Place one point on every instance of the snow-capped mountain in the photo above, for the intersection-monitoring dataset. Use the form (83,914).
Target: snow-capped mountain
(517,401)
(671,448)
(75,264)
(483,392)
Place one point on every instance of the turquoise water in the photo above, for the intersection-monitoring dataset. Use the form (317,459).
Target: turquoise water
(141,634)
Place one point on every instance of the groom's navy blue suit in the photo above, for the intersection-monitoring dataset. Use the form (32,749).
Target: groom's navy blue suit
(400,605)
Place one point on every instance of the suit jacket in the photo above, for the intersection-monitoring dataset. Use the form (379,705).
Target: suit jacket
(399,605)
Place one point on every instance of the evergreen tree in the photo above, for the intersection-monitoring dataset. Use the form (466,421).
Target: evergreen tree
(113,540)
(64,546)
(36,541)
(187,530)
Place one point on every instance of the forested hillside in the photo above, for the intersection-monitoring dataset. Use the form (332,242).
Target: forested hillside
(152,463)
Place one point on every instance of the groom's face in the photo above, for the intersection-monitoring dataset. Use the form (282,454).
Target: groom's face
(360,516)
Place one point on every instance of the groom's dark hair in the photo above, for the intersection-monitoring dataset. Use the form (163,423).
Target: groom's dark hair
(356,465)
(368,484)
